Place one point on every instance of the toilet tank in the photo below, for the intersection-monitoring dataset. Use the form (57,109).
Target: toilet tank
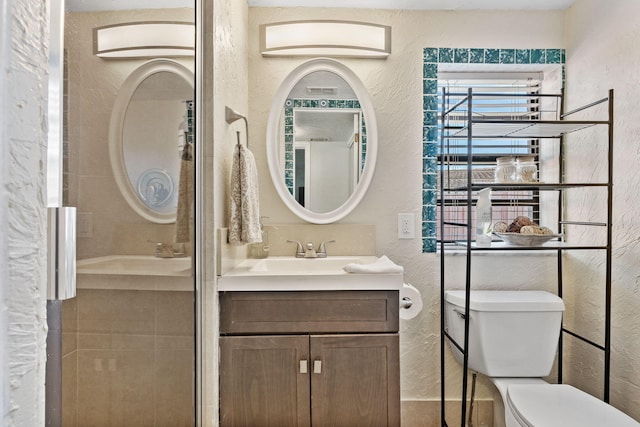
(511,333)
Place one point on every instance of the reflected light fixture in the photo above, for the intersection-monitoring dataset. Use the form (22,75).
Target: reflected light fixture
(325,38)
(149,39)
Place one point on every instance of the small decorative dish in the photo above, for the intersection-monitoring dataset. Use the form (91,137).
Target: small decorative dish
(520,239)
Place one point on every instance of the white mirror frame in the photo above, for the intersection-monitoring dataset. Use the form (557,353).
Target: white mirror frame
(273,135)
(116,125)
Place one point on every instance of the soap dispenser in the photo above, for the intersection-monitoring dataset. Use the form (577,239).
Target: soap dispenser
(483,218)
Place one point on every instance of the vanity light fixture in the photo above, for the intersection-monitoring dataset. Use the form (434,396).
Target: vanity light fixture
(149,39)
(325,38)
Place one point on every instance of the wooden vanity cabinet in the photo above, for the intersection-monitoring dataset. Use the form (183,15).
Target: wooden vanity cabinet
(331,361)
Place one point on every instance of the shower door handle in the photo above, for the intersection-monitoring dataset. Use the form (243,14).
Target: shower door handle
(62,253)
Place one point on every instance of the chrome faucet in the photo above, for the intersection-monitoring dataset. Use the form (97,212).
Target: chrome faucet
(310,251)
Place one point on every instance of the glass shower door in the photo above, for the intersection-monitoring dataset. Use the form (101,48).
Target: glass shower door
(128,337)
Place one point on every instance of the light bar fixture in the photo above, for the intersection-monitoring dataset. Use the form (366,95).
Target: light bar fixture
(325,38)
(151,39)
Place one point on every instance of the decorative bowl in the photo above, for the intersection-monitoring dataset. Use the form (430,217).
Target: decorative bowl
(519,239)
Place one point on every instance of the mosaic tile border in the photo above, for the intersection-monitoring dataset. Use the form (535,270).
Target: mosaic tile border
(289,106)
(432,58)
(190,117)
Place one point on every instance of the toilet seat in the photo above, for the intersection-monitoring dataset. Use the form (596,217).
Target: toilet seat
(561,405)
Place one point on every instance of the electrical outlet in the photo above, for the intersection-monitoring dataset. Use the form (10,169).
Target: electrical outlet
(84,225)
(406,226)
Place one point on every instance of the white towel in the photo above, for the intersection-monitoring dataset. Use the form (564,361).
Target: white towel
(244,215)
(381,265)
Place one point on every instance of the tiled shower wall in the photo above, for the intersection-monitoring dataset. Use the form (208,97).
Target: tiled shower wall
(128,358)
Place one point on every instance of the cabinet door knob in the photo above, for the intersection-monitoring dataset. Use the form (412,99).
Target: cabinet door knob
(317,366)
(303,367)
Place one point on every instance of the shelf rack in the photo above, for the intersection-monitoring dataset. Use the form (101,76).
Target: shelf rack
(477,126)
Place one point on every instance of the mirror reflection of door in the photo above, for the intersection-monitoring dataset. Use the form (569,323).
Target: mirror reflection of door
(328,156)
(357,159)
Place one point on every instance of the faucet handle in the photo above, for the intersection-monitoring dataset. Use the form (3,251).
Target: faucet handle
(159,246)
(299,250)
(322,249)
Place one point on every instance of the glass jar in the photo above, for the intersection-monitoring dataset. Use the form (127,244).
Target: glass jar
(505,169)
(527,171)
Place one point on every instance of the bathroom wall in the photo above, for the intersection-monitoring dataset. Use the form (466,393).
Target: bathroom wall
(225,76)
(23,217)
(395,86)
(601,42)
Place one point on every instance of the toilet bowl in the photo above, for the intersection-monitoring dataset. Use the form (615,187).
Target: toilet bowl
(513,338)
(531,402)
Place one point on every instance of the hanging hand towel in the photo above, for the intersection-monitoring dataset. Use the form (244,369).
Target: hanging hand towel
(184,217)
(244,215)
(381,265)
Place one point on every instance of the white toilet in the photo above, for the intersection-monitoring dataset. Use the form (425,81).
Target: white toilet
(513,338)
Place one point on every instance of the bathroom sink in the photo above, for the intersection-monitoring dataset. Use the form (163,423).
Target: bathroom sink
(136,265)
(295,274)
(286,265)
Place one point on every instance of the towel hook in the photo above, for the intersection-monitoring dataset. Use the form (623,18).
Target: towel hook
(231,116)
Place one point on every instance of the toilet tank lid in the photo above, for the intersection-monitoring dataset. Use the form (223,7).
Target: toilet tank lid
(485,300)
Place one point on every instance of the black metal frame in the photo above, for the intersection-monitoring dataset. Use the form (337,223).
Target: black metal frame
(558,247)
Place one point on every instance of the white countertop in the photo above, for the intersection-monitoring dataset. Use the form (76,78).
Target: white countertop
(301,274)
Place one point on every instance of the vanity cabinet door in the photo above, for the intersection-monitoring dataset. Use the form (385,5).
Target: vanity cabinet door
(314,373)
(355,380)
(263,382)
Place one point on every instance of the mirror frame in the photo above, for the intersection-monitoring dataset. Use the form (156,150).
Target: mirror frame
(116,127)
(273,136)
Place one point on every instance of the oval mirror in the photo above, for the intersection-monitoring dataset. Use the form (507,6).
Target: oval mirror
(321,141)
(148,130)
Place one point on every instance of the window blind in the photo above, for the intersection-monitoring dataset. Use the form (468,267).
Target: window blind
(496,96)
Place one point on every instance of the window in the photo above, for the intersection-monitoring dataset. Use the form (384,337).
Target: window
(497,96)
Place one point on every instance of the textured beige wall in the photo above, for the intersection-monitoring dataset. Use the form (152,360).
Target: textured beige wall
(23,216)
(602,41)
(225,83)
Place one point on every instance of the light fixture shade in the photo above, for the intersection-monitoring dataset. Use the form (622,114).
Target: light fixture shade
(325,38)
(151,39)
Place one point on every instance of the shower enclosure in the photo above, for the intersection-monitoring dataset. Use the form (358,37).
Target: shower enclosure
(128,346)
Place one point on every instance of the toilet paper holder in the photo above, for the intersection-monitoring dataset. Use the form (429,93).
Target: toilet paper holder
(406,302)
(410,302)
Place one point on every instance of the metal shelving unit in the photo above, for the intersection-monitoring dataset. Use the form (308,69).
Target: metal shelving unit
(470,126)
